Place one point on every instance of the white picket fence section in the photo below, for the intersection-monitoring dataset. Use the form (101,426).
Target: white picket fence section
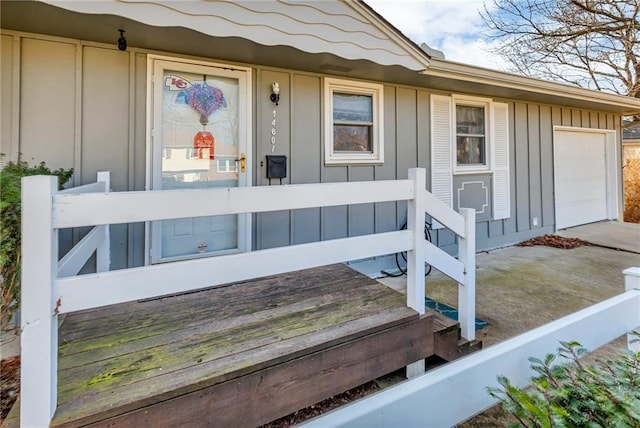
(449,395)
(48,292)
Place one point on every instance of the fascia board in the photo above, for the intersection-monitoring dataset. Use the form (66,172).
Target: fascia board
(469,73)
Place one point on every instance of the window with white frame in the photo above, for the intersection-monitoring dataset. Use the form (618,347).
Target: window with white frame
(470,136)
(353,122)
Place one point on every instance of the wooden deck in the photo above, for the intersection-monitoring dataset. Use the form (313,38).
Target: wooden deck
(237,355)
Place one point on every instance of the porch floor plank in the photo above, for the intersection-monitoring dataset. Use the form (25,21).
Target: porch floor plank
(121,358)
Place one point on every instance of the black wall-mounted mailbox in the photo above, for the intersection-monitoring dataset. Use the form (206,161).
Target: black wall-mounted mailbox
(276,167)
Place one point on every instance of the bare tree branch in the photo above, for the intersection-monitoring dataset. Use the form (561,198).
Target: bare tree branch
(589,43)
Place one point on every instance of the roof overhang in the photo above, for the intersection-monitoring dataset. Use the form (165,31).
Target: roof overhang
(364,49)
(508,85)
(346,29)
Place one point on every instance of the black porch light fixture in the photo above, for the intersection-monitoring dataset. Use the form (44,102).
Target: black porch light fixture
(275,93)
(122,42)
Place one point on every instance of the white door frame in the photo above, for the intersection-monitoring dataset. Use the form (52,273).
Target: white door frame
(245,132)
(612,160)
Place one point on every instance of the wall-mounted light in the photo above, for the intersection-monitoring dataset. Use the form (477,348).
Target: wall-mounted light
(122,42)
(275,93)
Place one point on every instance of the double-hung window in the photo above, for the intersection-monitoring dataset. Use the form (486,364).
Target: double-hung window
(471,136)
(353,122)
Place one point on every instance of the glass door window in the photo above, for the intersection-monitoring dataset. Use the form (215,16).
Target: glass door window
(199,132)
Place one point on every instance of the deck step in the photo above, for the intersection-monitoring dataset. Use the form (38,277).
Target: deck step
(449,345)
(273,392)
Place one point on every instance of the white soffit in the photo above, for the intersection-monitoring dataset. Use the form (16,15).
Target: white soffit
(344,28)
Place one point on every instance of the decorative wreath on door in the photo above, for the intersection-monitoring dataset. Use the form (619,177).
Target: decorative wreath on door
(206,100)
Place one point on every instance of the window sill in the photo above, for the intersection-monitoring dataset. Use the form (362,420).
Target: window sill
(343,162)
(473,171)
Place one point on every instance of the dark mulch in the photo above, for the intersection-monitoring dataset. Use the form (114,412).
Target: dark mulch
(9,384)
(554,241)
(323,406)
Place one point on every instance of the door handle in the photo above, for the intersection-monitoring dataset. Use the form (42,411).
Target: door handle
(243,162)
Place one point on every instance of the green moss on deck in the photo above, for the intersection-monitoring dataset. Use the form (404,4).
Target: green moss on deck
(142,353)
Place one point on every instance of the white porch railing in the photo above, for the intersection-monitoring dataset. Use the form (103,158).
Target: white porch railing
(46,293)
(39,305)
(96,240)
(456,392)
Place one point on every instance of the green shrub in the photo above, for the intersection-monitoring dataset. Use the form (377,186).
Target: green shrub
(573,394)
(10,218)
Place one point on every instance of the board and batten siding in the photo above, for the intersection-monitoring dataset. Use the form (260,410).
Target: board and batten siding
(83,105)
(407,144)
(300,137)
(531,169)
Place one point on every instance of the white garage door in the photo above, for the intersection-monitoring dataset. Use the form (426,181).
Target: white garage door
(580,178)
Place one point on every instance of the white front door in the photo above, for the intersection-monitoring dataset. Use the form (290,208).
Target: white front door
(200,138)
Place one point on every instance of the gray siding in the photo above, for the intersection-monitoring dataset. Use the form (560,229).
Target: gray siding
(304,162)
(81,107)
(531,147)
(300,137)
(47,103)
(7,90)
(94,118)
(407,135)
(105,104)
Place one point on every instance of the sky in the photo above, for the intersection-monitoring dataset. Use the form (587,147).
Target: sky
(452,26)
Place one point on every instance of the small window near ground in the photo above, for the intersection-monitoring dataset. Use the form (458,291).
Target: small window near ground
(353,132)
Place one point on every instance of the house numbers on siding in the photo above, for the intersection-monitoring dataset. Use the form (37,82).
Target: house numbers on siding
(273,132)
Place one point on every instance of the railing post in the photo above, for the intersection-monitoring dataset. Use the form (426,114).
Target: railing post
(39,337)
(103,252)
(467,291)
(632,282)
(416,257)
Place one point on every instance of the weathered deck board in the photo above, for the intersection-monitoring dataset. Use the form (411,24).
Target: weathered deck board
(296,384)
(119,359)
(229,303)
(268,290)
(199,346)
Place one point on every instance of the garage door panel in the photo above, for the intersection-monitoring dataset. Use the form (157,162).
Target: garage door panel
(583,212)
(580,178)
(594,196)
(590,175)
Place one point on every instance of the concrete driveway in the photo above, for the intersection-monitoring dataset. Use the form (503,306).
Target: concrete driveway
(608,234)
(520,288)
